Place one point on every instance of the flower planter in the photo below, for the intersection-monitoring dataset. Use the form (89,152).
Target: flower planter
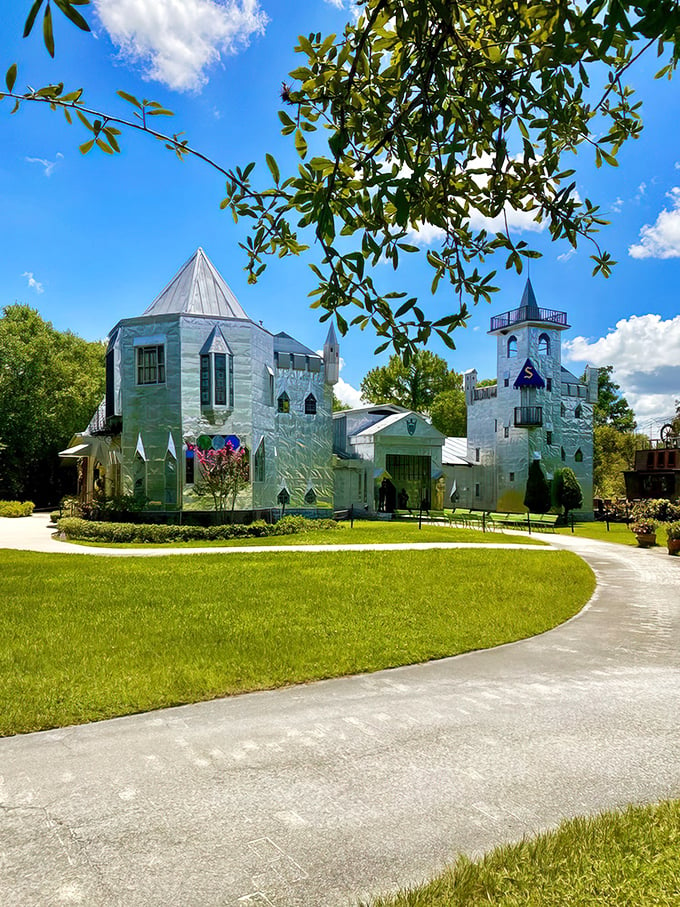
(646,539)
(674,546)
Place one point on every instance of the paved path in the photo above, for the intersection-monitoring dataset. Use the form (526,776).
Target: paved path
(35,534)
(319,794)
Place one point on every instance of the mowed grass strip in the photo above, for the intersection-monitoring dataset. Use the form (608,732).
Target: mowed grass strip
(626,858)
(84,638)
(618,533)
(364,532)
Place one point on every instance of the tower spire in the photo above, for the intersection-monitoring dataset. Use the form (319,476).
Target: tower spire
(331,357)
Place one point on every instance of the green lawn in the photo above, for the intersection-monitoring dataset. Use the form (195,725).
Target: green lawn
(363,532)
(612,860)
(84,638)
(619,533)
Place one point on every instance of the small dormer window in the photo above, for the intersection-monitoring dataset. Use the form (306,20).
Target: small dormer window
(512,347)
(310,405)
(544,345)
(283,403)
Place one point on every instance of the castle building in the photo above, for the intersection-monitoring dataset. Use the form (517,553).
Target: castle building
(537,409)
(193,371)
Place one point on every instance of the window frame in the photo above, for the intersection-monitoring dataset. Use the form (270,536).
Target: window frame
(144,369)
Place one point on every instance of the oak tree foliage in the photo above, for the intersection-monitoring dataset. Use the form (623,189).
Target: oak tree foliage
(414,385)
(423,113)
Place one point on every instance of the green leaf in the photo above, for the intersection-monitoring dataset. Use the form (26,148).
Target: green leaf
(300,143)
(160,112)
(131,99)
(11,76)
(273,168)
(104,147)
(48,34)
(84,120)
(72,14)
(86,146)
(31,17)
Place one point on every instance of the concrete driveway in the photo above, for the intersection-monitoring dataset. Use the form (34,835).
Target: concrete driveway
(320,794)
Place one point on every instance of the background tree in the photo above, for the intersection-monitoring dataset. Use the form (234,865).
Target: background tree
(676,420)
(414,384)
(222,474)
(449,413)
(611,407)
(613,453)
(432,112)
(338,405)
(537,497)
(51,383)
(568,492)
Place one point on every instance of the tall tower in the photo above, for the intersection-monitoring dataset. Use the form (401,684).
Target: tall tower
(331,357)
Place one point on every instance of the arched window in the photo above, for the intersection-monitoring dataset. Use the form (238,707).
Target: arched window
(284,403)
(564,455)
(544,345)
(578,456)
(512,346)
(310,405)
(578,412)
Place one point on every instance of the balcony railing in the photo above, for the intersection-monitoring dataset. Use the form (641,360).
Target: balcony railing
(526,416)
(528,313)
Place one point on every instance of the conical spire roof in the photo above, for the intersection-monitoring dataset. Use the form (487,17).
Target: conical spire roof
(529,301)
(197,289)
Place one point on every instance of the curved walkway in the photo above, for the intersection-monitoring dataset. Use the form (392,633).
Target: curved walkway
(34,534)
(319,794)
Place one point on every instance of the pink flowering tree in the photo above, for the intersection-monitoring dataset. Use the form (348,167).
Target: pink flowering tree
(222,474)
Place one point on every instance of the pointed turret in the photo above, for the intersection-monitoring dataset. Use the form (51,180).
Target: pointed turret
(197,288)
(529,302)
(331,357)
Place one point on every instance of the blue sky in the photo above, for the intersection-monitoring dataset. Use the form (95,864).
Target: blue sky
(90,240)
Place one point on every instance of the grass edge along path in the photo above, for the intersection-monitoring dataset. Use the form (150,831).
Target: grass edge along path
(85,638)
(626,857)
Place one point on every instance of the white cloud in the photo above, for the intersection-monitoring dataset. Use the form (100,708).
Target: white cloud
(32,282)
(617,205)
(347,394)
(662,239)
(177,40)
(565,256)
(47,165)
(645,353)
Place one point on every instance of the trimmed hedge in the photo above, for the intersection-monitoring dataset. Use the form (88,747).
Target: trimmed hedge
(88,530)
(16,508)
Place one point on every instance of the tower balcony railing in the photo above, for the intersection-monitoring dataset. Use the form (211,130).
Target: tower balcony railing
(528,416)
(528,313)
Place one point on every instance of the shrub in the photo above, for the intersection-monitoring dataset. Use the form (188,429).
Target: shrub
(659,509)
(16,508)
(55,516)
(567,489)
(89,530)
(673,531)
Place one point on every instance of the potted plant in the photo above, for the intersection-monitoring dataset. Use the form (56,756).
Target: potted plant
(673,536)
(645,532)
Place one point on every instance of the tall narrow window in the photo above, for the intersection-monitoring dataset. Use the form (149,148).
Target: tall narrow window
(139,477)
(189,468)
(284,403)
(548,437)
(151,364)
(578,456)
(563,410)
(231,382)
(512,347)
(563,454)
(220,379)
(544,345)
(206,389)
(260,465)
(578,412)
(310,405)
(170,480)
